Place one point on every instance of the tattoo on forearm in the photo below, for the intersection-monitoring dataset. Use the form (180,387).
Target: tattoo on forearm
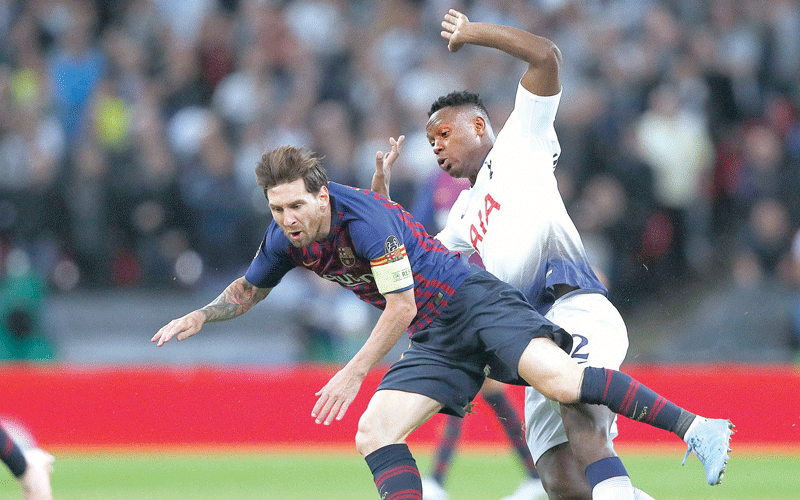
(236,300)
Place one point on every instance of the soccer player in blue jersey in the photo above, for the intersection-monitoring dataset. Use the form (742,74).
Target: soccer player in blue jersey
(31,467)
(464,323)
(514,218)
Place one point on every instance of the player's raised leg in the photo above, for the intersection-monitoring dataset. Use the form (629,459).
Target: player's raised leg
(553,373)
(382,431)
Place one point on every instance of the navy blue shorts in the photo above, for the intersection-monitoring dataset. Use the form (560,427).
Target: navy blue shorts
(482,332)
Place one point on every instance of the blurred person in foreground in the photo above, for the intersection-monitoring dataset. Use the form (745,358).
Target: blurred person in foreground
(514,218)
(31,468)
(464,323)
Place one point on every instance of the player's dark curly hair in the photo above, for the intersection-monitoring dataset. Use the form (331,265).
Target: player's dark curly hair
(459,98)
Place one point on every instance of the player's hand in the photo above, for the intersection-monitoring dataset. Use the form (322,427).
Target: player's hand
(183,328)
(454,24)
(335,397)
(383,166)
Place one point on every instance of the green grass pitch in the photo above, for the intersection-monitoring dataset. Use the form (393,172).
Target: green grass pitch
(342,475)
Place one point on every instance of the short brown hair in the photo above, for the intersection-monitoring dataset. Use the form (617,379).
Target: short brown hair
(287,164)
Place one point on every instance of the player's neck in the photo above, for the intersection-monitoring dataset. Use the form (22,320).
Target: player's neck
(325,226)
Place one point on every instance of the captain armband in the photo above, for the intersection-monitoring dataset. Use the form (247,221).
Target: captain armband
(392,271)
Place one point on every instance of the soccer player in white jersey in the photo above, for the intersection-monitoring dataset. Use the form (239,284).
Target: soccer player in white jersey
(514,218)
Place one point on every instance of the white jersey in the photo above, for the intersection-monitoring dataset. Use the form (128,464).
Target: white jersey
(514,217)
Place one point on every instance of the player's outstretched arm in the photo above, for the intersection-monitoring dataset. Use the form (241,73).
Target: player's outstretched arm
(542,55)
(383,167)
(335,397)
(236,300)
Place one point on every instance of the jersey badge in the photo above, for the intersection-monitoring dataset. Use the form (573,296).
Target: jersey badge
(346,256)
(391,245)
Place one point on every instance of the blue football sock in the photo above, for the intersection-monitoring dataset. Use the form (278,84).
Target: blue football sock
(395,472)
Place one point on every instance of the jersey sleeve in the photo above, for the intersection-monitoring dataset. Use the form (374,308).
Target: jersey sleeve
(381,242)
(271,261)
(534,115)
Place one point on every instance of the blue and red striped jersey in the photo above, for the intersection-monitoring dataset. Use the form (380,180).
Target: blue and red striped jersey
(366,227)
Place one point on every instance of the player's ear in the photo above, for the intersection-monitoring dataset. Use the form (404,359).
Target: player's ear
(324,196)
(480,125)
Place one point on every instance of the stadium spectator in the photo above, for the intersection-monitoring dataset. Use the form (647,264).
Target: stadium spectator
(220,213)
(88,208)
(675,142)
(76,68)
(794,331)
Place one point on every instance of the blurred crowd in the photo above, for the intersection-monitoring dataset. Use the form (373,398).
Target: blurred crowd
(129,131)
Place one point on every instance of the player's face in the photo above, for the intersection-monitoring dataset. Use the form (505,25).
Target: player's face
(304,217)
(455,135)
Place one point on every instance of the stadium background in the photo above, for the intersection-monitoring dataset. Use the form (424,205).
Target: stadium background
(128,135)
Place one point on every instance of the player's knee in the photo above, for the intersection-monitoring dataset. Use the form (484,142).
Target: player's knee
(581,431)
(365,441)
(563,476)
(589,432)
(561,485)
(550,371)
(369,436)
(565,490)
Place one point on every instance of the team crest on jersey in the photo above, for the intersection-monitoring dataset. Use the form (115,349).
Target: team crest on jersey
(347,257)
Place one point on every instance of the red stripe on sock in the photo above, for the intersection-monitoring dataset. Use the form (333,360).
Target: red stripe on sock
(403,469)
(8,446)
(609,374)
(657,407)
(630,395)
(405,495)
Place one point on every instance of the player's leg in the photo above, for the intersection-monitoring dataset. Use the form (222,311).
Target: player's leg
(590,443)
(563,475)
(433,486)
(494,394)
(446,363)
(553,373)
(600,339)
(31,468)
(382,431)
(35,482)
(11,454)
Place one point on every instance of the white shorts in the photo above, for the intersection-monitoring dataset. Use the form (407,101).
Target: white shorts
(600,339)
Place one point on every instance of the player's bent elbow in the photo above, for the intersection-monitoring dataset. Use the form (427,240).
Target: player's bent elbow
(547,55)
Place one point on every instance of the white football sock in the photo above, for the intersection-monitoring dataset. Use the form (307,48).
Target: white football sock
(614,488)
(641,495)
